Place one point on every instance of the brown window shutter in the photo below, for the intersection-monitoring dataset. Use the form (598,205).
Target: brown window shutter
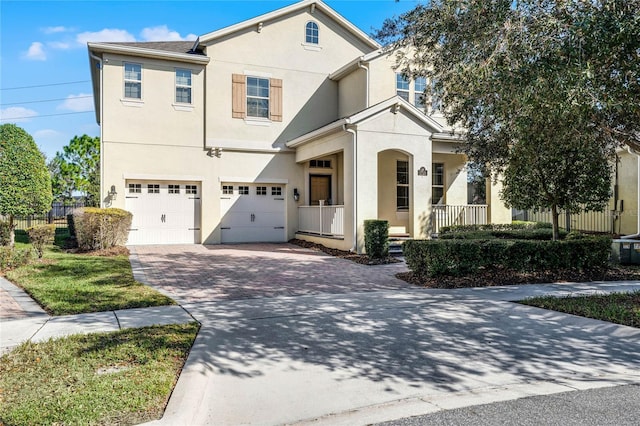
(239,96)
(275,101)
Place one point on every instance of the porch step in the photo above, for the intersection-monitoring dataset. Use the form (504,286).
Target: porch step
(395,243)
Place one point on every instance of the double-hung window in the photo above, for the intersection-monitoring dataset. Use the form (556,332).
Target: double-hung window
(132,81)
(402,185)
(183,86)
(257,97)
(437,184)
(311,33)
(436,95)
(402,87)
(420,87)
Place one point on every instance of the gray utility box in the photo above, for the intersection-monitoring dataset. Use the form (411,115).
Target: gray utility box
(626,252)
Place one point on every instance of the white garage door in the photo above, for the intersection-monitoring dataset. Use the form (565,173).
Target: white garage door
(163,212)
(252,213)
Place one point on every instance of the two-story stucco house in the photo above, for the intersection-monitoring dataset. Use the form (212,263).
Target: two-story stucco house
(291,124)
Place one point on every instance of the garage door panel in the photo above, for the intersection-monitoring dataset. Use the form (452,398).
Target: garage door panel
(161,217)
(252,217)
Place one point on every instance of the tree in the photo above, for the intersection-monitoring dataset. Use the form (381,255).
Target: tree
(545,89)
(25,185)
(77,168)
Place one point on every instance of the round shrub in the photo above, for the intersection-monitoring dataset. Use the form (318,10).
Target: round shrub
(98,229)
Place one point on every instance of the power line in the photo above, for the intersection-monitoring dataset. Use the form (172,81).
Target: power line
(47,100)
(45,115)
(45,85)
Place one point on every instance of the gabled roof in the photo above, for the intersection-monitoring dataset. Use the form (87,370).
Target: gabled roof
(313,4)
(354,64)
(165,46)
(395,103)
(180,50)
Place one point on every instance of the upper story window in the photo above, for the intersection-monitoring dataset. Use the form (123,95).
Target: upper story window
(402,87)
(183,86)
(420,87)
(436,94)
(257,97)
(132,81)
(311,33)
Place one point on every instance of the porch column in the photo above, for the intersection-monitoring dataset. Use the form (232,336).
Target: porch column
(367,190)
(497,211)
(420,201)
(349,193)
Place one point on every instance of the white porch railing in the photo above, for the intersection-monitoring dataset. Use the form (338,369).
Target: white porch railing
(447,215)
(321,220)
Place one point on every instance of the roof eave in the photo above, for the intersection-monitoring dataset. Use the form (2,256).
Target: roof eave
(147,53)
(318,133)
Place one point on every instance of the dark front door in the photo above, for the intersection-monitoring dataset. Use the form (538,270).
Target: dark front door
(320,186)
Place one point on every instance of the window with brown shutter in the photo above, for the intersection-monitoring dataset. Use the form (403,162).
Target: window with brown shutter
(254,97)
(239,96)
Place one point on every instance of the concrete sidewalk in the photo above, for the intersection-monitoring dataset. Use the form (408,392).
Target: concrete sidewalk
(21,319)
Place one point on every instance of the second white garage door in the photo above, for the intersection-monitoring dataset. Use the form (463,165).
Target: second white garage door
(163,212)
(252,213)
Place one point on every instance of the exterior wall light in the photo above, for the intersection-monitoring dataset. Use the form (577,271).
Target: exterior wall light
(296,194)
(112,193)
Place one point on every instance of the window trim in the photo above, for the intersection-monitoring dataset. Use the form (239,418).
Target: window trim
(308,40)
(443,185)
(268,99)
(402,185)
(177,86)
(125,80)
(421,104)
(401,79)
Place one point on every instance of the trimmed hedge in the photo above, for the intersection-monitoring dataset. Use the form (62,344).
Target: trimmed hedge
(513,226)
(430,258)
(515,234)
(376,238)
(40,236)
(101,228)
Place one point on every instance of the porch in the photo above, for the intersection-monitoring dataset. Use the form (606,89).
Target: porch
(328,221)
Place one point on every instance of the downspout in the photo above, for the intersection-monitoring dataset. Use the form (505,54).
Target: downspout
(99,59)
(354,248)
(637,234)
(366,70)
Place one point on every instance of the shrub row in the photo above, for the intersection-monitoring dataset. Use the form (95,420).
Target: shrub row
(513,226)
(513,234)
(98,229)
(430,258)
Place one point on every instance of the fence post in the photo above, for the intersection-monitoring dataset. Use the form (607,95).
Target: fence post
(321,205)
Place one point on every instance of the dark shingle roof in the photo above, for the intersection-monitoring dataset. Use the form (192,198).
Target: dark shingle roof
(166,46)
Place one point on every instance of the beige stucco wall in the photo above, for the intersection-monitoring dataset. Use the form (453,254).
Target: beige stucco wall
(628,192)
(498,212)
(310,99)
(455,179)
(352,93)
(387,168)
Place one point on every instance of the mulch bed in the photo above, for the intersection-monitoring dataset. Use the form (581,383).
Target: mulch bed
(357,258)
(110,252)
(497,277)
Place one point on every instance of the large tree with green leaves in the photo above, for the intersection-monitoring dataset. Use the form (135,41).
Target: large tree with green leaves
(545,89)
(77,169)
(25,185)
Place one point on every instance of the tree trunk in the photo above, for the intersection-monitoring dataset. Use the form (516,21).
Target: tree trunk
(554,222)
(12,232)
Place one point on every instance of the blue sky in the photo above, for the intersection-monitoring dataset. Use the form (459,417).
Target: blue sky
(43,43)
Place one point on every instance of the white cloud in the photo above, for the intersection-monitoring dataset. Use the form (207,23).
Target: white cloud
(105,35)
(35,52)
(57,29)
(78,103)
(16,114)
(46,134)
(163,33)
(59,45)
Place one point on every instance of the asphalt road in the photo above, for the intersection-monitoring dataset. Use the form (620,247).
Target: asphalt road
(615,406)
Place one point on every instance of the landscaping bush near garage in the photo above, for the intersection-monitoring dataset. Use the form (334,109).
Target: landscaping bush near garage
(433,258)
(99,229)
(376,238)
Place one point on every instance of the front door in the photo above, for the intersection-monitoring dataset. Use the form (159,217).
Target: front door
(320,189)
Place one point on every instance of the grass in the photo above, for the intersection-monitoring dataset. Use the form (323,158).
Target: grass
(123,377)
(67,283)
(619,308)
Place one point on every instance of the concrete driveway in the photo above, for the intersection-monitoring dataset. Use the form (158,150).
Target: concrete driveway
(293,336)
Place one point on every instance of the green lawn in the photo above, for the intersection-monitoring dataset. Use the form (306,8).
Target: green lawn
(619,308)
(66,283)
(124,377)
